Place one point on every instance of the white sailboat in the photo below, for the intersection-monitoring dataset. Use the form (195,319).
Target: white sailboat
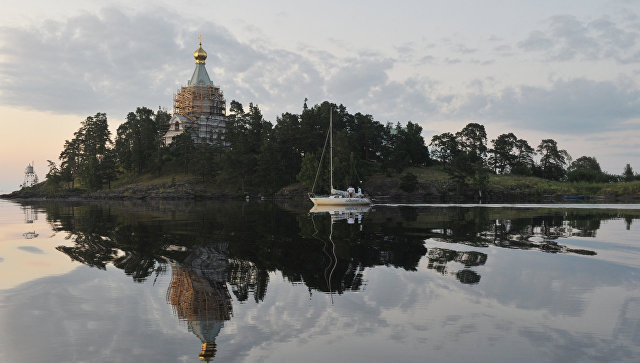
(337,197)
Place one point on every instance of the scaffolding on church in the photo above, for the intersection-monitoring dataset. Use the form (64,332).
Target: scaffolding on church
(199,107)
(196,101)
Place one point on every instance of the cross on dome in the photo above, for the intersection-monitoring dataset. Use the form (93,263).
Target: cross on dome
(200,55)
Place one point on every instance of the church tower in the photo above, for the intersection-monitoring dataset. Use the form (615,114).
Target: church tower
(199,107)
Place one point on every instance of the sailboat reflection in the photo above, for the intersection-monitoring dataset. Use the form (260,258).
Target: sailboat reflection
(350,213)
(199,295)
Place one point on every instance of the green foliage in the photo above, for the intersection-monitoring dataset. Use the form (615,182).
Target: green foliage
(54,176)
(138,141)
(463,156)
(628,175)
(408,147)
(258,156)
(206,161)
(246,133)
(255,156)
(109,167)
(161,120)
(409,182)
(586,168)
(472,139)
(445,147)
(511,155)
(553,161)
(308,169)
(503,156)
(183,149)
(83,155)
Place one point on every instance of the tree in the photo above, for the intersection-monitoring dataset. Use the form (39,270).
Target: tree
(524,158)
(409,182)
(628,175)
(138,141)
(472,139)
(96,135)
(463,156)
(246,132)
(205,162)
(183,149)
(444,146)
(511,155)
(553,161)
(410,146)
(161,120)
(54,177)
(286,142)
(70,158)
(109,167)
(94,144)
(503,153)
(309,169)
(585,168)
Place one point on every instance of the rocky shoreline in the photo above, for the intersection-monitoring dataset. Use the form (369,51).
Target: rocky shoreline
(381,190)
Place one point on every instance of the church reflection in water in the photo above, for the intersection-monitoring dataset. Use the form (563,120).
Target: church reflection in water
(199,295)
(224,253)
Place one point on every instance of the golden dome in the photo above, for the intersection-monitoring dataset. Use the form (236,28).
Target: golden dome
(200,55)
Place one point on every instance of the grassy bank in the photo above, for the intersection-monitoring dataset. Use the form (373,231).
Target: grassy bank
(431,184)
(434,185)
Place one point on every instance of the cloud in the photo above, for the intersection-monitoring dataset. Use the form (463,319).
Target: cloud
(463,49)
(363,84)
(114,62)
(89,61)
(567,38)
(575,106)
(537,40)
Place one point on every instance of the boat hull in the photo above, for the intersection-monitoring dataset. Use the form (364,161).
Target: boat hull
(339,201)
(340,209)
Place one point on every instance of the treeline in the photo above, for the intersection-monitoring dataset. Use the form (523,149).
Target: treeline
(257,155)
(467,158)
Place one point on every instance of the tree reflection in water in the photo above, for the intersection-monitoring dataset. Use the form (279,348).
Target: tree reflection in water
(217,251)
(440,257)
(142,239)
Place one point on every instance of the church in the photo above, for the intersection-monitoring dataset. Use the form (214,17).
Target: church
(199,107)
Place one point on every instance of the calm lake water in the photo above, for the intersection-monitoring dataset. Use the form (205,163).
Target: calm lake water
(262,282)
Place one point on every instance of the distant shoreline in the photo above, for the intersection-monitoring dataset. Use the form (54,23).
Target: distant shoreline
(186,192)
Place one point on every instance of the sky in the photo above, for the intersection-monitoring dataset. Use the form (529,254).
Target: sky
(541,69)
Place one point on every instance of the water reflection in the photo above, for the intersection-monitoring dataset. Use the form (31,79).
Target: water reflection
(199,295)
(30,214)
(440,257)
(351,214)
(218,255)
(263,238)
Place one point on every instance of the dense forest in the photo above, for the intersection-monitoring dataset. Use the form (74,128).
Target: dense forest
(263,157)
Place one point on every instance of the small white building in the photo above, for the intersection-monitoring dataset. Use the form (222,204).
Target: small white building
(30,177)
(199,107)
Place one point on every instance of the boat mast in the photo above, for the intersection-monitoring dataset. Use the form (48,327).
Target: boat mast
(331,146)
